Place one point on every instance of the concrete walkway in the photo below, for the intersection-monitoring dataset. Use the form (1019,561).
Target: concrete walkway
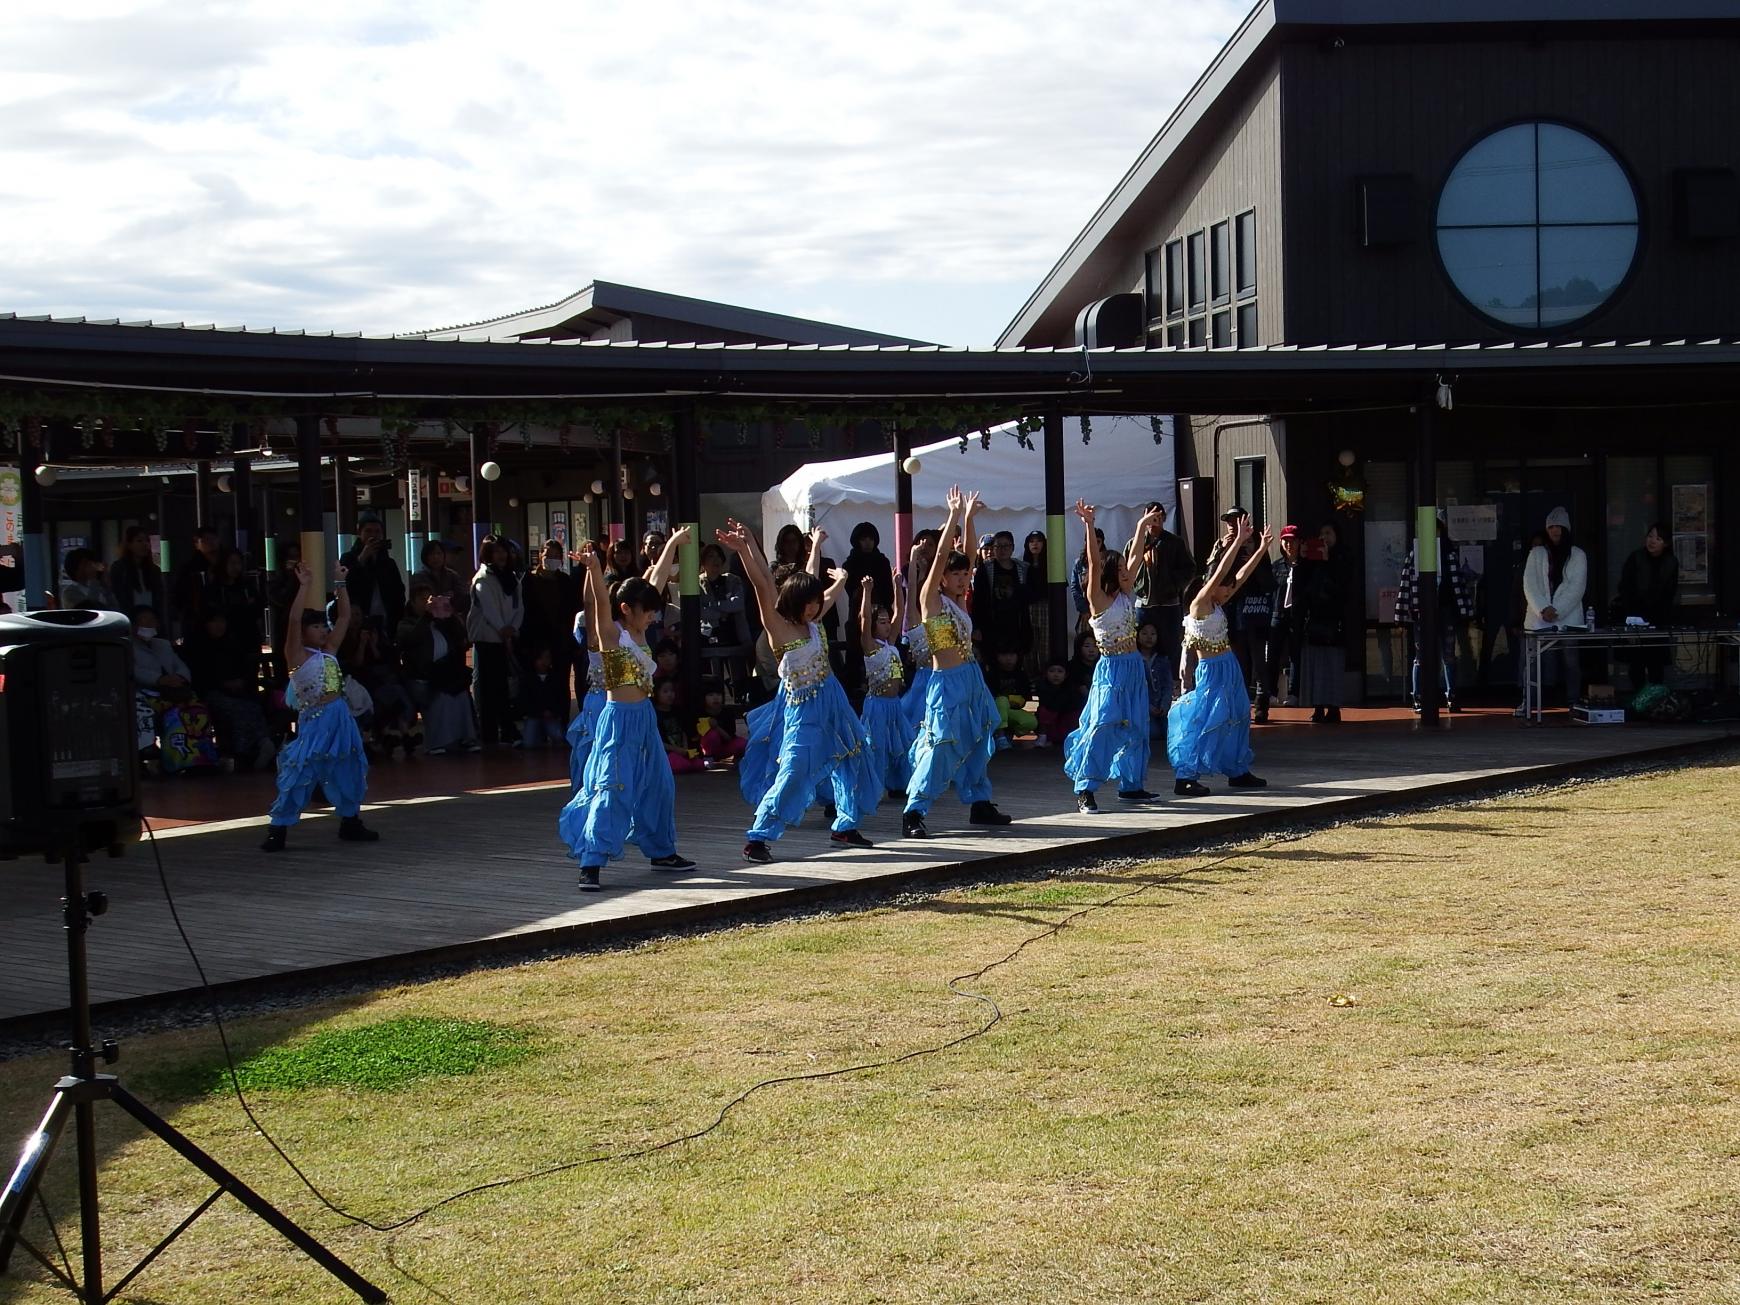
(472,873)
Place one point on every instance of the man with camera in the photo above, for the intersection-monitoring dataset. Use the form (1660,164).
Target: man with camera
(377,588)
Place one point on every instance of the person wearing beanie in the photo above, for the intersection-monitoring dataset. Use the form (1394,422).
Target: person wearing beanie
(1555,579)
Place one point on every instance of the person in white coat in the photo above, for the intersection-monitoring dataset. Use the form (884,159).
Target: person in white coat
(498,608)
(1555,578)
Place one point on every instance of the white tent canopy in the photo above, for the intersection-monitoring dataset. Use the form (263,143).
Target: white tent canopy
(1120,470)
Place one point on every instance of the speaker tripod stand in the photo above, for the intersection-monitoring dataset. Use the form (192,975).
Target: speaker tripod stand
(76,1097)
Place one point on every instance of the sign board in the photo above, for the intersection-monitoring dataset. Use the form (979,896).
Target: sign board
(448,489)
(11,506)
(1472,522)
(559,526)
(414,492)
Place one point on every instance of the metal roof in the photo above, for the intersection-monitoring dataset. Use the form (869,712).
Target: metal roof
(1245,55)
(617,301)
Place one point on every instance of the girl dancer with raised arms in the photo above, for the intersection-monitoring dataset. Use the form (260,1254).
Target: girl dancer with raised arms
(808,734)
(327,752)
(1208,730)
(958,733)
(627,793)
(585,722)
(1112,739)
(884,713)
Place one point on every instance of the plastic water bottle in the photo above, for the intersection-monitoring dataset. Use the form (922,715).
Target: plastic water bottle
(1589,618)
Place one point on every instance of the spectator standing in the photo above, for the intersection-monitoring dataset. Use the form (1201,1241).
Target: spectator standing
(727,643)
(443,581)
(1649,585)
(282,587)
(1165,572)
(377,588)
(224,668)
(84,585)
(1160,678)
(1036,587)
(134,579)
(1001,621)
(1247,614)
(432,645)
(552,601)
(235,594)
(1286,622)
(1078,599)
(1555,579)
(1322,588)
(195,577)
(1455,599)
(497,612)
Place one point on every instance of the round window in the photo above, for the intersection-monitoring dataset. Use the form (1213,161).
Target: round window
(1537,225)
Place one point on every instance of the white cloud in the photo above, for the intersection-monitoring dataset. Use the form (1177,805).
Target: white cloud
(906,166)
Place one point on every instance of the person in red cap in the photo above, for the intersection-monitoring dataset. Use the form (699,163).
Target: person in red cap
(1286,623)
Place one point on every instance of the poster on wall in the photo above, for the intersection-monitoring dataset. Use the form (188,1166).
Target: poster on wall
(659,520)
(559,526)
(1691,509)
(1472,522)
(1693,554)
(11,509)
(1386,548)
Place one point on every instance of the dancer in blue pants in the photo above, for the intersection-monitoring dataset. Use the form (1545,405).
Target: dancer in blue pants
(1111,743)
(627,794)
(957,734)
(808,738)
(327,753)
(1208,730)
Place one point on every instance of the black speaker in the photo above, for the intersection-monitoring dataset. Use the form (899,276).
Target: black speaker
(1111,323)
(67,736)
(1706,204)
(1387,211)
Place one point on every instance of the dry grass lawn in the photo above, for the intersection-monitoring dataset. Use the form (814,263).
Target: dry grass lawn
(1531,1097)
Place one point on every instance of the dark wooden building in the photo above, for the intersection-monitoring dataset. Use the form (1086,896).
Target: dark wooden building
(1441,172)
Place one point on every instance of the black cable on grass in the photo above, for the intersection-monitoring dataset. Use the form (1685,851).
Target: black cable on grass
(993,1016)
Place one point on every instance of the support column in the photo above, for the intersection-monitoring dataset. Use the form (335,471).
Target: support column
(344,501)
(310,503)
(618,504)
(480,519)
(33,525)
(202,492)
(1056,536)
(432,487)
(686,499)
(242,490)
(1426,632)
(902,500)
(416,530)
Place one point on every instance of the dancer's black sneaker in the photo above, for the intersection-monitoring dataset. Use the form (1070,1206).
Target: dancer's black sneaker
(1189,788)
(672,862)
(912,826)
(352,830)
(589,879)
(275,836)
(849,838)
(1085,803)
(757,851)
(1135,795)
(1247,780)
(986,813)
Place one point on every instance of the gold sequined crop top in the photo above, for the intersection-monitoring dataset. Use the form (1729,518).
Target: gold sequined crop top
(628,666)
(883,673)
(803,665)
(1115,628)
(1207,637)
(950,628)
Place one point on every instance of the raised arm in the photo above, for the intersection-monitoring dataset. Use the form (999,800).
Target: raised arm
(910,586)
(603,618)
(1139,543)
(836,586)
(1093,582)
(969,514)
(1223,568)
(867,615)
(293,634)
(939,565)
(734,537)
(658,575)
(341,618)
(1257,558)
(813,564)
(588,600)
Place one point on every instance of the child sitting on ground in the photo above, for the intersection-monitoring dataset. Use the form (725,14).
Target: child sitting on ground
(1060,706)
(681,746)
(1010,689)
(543,702)
(717,727)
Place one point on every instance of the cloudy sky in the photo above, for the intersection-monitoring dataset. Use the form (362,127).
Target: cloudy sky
(912,166)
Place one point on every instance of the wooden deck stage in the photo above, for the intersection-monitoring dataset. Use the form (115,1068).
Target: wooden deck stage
(477,869)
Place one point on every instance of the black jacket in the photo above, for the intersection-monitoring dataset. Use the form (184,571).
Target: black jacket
(1648,587)
(1166,571)
(379,574)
